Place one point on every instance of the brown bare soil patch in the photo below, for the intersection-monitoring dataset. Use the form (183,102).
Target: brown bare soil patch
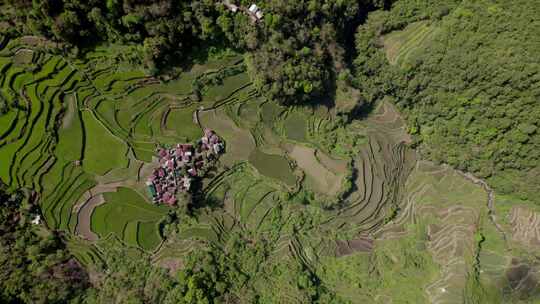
(172,264)
(36,41)
(337,166)
(525,226)
(69,113)
(361,244)
(84,218)
(523,279)
(388,120)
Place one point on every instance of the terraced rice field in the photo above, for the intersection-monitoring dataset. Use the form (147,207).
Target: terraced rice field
(73,127)
(82,133)
(89,171)
(130,217)
(271,165)
(317,175)
(295,127)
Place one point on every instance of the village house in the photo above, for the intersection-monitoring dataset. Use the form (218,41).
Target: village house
(36,220)
(255,12)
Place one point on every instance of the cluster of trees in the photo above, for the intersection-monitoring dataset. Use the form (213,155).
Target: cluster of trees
(294,53)
(470,95)
(298,49)
(243,268)
(163,30)
(237,272)
(36,267)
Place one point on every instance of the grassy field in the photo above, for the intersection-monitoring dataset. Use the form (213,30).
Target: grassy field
(180,121)
(103,151)
(275,166)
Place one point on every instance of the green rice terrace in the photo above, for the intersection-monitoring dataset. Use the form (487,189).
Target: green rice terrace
(350,202)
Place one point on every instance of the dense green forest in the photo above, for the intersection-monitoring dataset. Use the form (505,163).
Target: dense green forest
(469,89)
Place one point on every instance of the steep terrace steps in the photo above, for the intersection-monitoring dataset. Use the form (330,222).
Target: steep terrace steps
(35,132)
(62,78)
(232,97)
(5,65)
(107,113)
(261,213)
(3,41)
(11,75)
(34,162)
(52,182)
(246,211)
(73,188)
(240,195)
(217,180)
(54,107)
(21,80)
(48,68)
(11,151)
(46,167)
(382,171)
(365,183)
(139,117)
(69,175)
(65,207)
(8,122)
(219,226)
(17,131)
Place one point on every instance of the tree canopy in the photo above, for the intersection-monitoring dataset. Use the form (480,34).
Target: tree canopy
(36,266)
(470,91)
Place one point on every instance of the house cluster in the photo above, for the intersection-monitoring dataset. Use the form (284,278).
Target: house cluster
(254,12)
(178,166)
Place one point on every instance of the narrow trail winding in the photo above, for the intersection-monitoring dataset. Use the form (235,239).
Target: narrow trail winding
(490,200)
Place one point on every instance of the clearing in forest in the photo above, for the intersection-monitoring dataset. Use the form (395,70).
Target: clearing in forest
(399,45)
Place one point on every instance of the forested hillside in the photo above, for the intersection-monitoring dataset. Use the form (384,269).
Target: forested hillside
(468,81)
(36,266)
(280,151)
